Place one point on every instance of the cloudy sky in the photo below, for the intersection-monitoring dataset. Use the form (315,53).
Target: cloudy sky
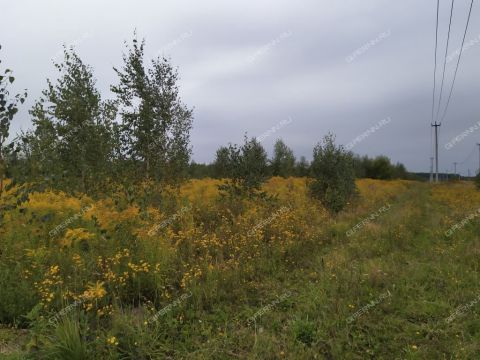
(274,69)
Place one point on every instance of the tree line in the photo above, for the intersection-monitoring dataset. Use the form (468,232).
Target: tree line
(283,163)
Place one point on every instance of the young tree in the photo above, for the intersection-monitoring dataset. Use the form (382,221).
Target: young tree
(156,123)
(283,162)
(302,168)
(334,175)
(253,166)
(477,180)
(8,108)
(73,126)
(41,147)
(244,166)
(222,163)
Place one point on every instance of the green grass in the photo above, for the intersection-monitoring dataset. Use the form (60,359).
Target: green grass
(427,277)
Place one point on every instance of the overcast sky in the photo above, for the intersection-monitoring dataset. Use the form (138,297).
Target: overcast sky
(274,69)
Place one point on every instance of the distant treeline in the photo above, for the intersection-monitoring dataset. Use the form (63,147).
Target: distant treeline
(284,164)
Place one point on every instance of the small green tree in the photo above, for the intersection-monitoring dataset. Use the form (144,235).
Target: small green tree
(253,169)
(222,162)
(477,180)
(8,108)
(334,175)
(72,139)
(245,167)
(283,162)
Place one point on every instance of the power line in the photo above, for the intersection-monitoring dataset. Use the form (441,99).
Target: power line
(445,61)
(435,68)
(469,156)
(458,62)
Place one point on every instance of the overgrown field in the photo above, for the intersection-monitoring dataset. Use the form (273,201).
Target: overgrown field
(189,274)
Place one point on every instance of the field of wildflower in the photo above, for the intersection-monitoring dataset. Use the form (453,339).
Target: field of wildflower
(194,275)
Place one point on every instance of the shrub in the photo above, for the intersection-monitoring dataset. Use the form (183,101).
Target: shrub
(245,166)
(334,175)
(304,331)
(477,181)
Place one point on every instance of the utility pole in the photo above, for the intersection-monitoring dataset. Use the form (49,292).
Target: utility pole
(431,169)
(436,150)
(455,169)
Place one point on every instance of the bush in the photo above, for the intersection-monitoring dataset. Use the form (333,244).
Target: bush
(477,181)
(245,167)
(334,175)
(304,331)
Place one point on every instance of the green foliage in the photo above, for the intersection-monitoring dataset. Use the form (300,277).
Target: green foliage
(379,168)
(67,342)
(477,180)
(155,131)
(283,161)
(245,167)
(8,108)
(304,331)
(71,142)
(222,162)
(200,171)
(17,297)
(334,176)
(253,164)
(77,144)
